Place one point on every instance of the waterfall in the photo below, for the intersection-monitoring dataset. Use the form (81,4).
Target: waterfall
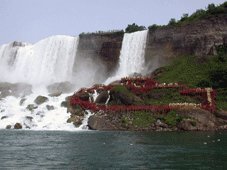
(41,64)
(48,61)
(131,56)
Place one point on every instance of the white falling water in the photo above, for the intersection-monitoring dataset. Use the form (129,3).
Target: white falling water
(48,61)
(132,55)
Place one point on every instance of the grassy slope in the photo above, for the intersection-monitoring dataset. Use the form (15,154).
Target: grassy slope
(188,70)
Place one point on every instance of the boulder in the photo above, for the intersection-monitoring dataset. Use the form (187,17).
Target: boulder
(187,125)
(76,120)
(31,107)
(40,100)
(49,107)
(84,96)
(17,126)
(64,104)
(8,127)
(30,118)
(121,95)
(200,119)
(97,122)
(22,101)
(102,97)
(4,117)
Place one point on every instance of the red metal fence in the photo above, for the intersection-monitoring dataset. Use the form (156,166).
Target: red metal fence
(142,85)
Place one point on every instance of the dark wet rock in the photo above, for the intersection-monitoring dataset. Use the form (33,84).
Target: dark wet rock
(4,117)
(57,94)
(31,107)
(221,114)
(17,89)
(76,120)
(63,87)
(84,96)
(64,104)
(102,97)
(187,125)
(49,107)
(40,113)
(22,101)
(198,118)
(40,100)
(17,126)
(161,124)
(99,122)
(121,95)
(30,118)
(8,127)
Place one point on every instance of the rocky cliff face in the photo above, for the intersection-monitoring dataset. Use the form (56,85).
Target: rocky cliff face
(197,38)
(103,49)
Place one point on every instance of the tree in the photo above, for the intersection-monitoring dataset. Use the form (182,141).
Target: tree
(184,17)
(134,27)
(211,8)
(154,27)
(172,21)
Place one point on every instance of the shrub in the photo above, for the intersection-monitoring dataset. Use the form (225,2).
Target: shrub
(172,118)
(134,27)
(172,21)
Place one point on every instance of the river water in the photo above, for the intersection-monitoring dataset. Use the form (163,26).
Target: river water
(112,150)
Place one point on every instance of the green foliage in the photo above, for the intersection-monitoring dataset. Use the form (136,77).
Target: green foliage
(172,21)
(110,32)
(184,17)
(221,99)
(211,8)
(154,27)
(218,78)
(134,27)
(172,118)
(188,70)
(139,119)
(121,89)
(200,13)
(166,96)
(184,70)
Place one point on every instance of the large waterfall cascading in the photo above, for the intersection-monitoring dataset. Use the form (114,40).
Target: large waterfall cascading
(132,55)
(48,61)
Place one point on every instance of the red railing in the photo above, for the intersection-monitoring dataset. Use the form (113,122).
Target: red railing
(138,86)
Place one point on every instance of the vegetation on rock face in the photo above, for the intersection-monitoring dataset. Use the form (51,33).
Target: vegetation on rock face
(134,27)
(172,118)
(110,32)
(121,95)
(166,96)
(138,119)
(211,10)
(211,72)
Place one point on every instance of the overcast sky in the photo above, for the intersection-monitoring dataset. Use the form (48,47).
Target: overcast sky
(32,20)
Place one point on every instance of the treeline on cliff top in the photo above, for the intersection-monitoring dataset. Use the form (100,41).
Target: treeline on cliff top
(211,10)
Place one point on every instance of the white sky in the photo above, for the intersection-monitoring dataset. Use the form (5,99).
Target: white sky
(32,20)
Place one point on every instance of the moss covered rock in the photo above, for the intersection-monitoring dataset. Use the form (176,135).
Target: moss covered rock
(40,100)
